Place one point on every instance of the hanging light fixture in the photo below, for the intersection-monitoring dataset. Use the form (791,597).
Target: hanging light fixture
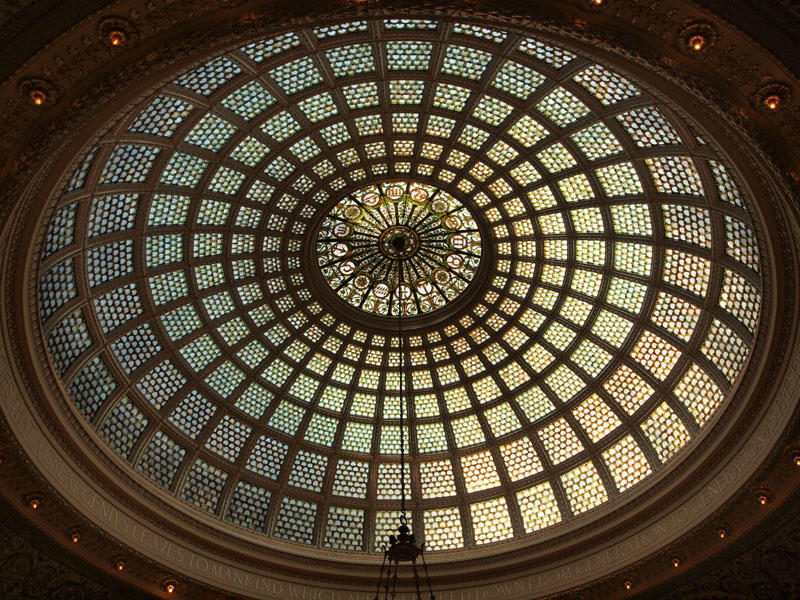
(402,547)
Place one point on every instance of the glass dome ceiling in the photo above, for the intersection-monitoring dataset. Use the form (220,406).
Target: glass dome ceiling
(182,297)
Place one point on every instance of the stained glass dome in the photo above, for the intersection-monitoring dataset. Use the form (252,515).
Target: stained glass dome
(399,247)
(599,310)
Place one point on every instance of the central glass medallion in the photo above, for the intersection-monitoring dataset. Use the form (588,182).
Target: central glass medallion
(399,241)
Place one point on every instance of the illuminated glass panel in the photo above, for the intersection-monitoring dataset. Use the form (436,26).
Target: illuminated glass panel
(349,60)
(562,107)
(648,127)
(699,393)
(203,485)
(437,480)
(297,75)
(490,521)
(161,458)
(308,471)
(517,79)
(606,86)
(596,417)
(690,224)
(210,76)
(628,389)
(725,349)
(479,472)
(552,55)
(538,507)
(389,480)
(520,459)
(267,457)
(408,55)
(248,506)
(386,523)
(296,520)
(162,117)
(443,529)
(249,100)
(465,62)
(584,488)
(263,49)
(597,141)
(560,441)
(627,463)
(619,180)
(123,425)
(527,131)
(740,298)
(344,529)
(666,431)
(675,175)
(129,163)
(228,438)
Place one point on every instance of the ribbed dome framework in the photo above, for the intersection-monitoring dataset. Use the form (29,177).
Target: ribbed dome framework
(186,310)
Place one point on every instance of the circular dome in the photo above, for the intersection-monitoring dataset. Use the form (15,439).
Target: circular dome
(406,245)
(185,279)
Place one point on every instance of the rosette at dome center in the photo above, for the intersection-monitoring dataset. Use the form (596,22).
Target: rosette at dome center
(403,241)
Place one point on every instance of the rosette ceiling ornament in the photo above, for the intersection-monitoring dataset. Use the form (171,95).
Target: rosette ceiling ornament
(425,231)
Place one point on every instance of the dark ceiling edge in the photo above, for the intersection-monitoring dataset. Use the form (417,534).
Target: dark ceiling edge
(758,538)
(38,540)
(761,537)
(35,26)
(775,27)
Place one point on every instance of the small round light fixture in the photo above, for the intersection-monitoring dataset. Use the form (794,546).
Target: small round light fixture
(628,584)
(169,586)
(696,37)
(772,102)
(114,31)
(763,496)
(75,536)
(119,564)
(36,91)
(34,502)
(772,97)
(795,458)
(676,561)
(697,42)
(722,532)
(38,97)
(117,37)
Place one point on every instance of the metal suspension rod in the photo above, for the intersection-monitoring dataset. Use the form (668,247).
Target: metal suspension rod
(380,577)
(402,401)
(388,577)
(427,576)
(394,579)
(416,578)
